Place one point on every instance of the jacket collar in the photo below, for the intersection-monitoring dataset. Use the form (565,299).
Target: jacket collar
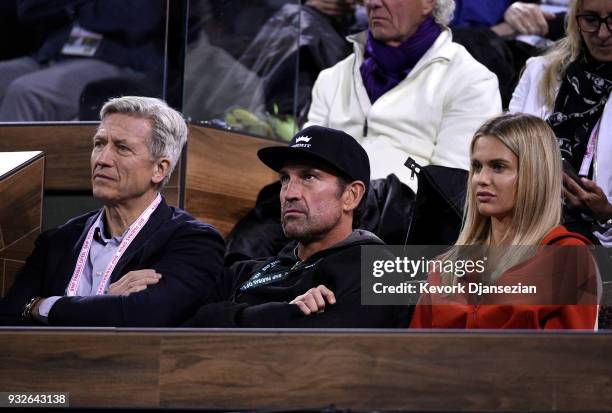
(357,237)
(442,49)
(161,215)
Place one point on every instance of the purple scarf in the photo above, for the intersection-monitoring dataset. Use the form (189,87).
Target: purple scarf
(385,66)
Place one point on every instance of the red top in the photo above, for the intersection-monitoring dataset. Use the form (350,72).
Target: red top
(576,275)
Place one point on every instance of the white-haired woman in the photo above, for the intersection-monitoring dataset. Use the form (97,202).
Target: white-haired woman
(513,202)
(570,88)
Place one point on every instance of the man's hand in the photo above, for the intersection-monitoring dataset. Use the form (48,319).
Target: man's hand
(525,18)
(134,281)
(589,197)
(332,7)
(313,301)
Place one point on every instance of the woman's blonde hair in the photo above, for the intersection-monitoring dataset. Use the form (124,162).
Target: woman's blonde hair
(564,52)
(537,207)
(538,189)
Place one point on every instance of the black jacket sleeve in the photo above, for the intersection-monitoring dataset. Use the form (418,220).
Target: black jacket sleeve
(28,284)
(283,315)
(339,271)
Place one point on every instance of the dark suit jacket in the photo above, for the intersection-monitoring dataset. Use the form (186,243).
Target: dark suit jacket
(188,254)
(133,30)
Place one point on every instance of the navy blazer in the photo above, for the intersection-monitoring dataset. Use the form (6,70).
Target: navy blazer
(133,30)
(187,252)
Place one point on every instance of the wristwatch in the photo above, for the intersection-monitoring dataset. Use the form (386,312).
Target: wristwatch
(604,225)
(27,310)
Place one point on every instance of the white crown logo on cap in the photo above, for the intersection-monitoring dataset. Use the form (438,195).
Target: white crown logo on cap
(332,147)
(302,142)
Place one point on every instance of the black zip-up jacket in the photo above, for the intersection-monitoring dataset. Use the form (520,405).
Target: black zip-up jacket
(260,290)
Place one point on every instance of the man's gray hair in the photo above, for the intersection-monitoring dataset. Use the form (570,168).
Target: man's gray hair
(443,11)
(169,130)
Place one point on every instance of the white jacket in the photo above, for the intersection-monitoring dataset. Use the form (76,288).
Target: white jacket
(430,116)
(527,99)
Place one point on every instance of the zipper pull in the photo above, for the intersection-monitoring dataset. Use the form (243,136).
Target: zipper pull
(365,128)
(414,167)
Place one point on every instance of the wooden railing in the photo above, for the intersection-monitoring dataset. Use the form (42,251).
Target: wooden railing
(359,370)
(21,192)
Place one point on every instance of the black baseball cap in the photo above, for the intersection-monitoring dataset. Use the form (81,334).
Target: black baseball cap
(332,147)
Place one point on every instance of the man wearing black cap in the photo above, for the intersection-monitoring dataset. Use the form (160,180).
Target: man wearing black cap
(324,175)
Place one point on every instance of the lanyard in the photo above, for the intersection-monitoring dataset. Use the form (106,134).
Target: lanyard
(590,151)
(266,276)
(125,243)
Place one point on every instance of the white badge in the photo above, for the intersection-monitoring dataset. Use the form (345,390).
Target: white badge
(82,42)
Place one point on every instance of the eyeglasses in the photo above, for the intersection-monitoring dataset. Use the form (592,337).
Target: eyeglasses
(590,23)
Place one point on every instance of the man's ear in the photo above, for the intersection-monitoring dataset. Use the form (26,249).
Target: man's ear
(353,194)
(161,168)
(428,6)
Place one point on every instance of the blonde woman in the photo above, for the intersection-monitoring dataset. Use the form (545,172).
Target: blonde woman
(514,199)
(570,88)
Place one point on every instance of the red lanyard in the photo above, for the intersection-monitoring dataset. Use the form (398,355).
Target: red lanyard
(125,243)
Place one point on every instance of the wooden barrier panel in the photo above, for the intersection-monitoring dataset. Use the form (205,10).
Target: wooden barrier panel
(224,175)
(21,190)
(267,369)
(66,145)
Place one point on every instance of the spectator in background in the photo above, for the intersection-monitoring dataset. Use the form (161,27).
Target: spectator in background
(478,13)
(503,34)
(407,90)
(513,202)
(87,40)
(570,87)
(256,92)
(336,8)
(505,17)
(137,262)
(278,50)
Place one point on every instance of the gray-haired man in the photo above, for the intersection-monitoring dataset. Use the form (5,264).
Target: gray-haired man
(407,90)
(135,262)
